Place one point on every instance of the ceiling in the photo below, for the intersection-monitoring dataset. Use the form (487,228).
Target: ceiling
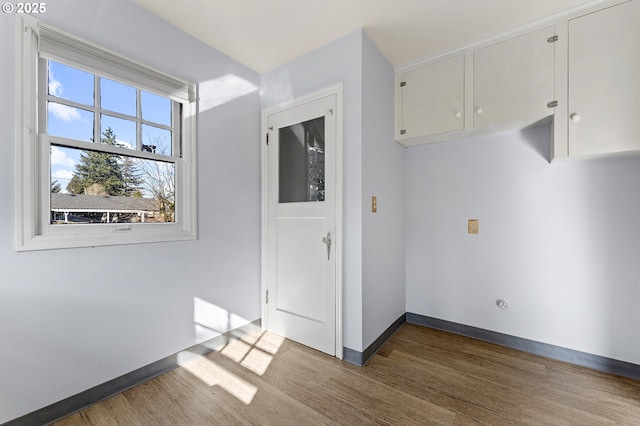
(263,34)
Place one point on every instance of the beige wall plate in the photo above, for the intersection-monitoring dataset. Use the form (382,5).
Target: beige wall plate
(473,225)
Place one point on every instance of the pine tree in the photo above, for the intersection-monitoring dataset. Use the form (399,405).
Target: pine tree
(131,176)
(99,167)
(55,187)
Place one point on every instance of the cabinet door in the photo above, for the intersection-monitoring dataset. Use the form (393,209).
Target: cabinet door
(514,79)
(604,81)
(432,98)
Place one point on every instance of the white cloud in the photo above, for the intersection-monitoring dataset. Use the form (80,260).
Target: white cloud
(55,87)
(63,175)
(61,112)
(59,157)
(64,112)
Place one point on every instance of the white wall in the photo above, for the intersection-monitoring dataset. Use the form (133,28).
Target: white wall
(339,61)
(560,242)
(383,242)
(72,319)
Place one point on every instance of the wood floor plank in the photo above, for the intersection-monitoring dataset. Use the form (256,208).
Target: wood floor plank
(421,376)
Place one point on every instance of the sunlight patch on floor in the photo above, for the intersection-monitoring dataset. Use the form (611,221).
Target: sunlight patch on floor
(269,342)
(254,351)
(214,375)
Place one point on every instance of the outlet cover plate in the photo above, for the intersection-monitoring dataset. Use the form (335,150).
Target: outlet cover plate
(472,227)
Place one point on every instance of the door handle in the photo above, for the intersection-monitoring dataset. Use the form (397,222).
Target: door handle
(327,241)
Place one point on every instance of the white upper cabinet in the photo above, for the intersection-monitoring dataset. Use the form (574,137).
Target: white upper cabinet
(498,86)
(603,109)
(581,68)
(514,80)
(430,99)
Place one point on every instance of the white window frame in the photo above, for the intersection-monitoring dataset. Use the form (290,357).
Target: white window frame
(35,39)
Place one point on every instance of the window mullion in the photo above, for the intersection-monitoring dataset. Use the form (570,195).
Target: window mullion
(158,125)
(138,120)
(117,115)
(69,103)
(97,117)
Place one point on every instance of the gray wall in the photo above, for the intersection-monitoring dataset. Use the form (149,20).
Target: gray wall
(72,319)
(560,242)
(383,241)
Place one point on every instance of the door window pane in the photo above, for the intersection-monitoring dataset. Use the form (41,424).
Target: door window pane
(301,162)
(70,83)
(117,97)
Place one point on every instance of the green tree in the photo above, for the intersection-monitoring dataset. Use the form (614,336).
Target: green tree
(117,175)
(130,176)
(55,187)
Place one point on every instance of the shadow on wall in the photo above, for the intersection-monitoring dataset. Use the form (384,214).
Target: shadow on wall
(592,206)
(541,146)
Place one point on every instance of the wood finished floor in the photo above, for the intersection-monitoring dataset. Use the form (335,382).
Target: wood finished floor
(421,376)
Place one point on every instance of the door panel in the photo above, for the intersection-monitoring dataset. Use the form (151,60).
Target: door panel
(299,292)
(301,192)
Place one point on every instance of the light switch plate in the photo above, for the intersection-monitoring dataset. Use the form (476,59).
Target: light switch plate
(473,225)
(374,204)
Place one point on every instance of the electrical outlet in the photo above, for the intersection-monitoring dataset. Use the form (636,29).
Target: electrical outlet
(374,204)
(472,227)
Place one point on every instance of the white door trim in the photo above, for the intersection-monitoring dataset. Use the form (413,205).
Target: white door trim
(336,90)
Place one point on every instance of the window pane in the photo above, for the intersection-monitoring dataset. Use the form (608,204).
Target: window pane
(155,108)
(63,164)
(116,131)
(98,187)
(158,183)
(155,139)
(70,83)
(69,122)
(117,97)
(301,162)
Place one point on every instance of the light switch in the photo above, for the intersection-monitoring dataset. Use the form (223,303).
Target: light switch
(472,227)
(374,204)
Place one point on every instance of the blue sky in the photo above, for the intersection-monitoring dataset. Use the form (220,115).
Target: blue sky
(69,83)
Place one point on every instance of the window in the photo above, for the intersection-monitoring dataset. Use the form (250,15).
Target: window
(105,146)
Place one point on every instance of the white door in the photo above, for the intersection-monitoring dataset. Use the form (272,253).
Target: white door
(301,223)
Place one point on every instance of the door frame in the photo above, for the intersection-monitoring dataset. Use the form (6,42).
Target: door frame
(336,90)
